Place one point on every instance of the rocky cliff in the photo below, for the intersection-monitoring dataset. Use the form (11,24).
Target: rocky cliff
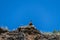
(28,32)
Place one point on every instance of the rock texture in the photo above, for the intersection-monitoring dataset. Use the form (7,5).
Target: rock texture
(26,33)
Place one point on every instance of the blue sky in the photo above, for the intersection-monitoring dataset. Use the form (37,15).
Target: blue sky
(45,14)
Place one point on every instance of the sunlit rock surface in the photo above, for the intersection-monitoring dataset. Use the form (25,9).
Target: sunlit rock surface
(28,32)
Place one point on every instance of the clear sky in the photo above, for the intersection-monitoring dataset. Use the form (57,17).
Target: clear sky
(45,14)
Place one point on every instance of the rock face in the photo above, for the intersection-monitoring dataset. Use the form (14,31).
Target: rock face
(26,33)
